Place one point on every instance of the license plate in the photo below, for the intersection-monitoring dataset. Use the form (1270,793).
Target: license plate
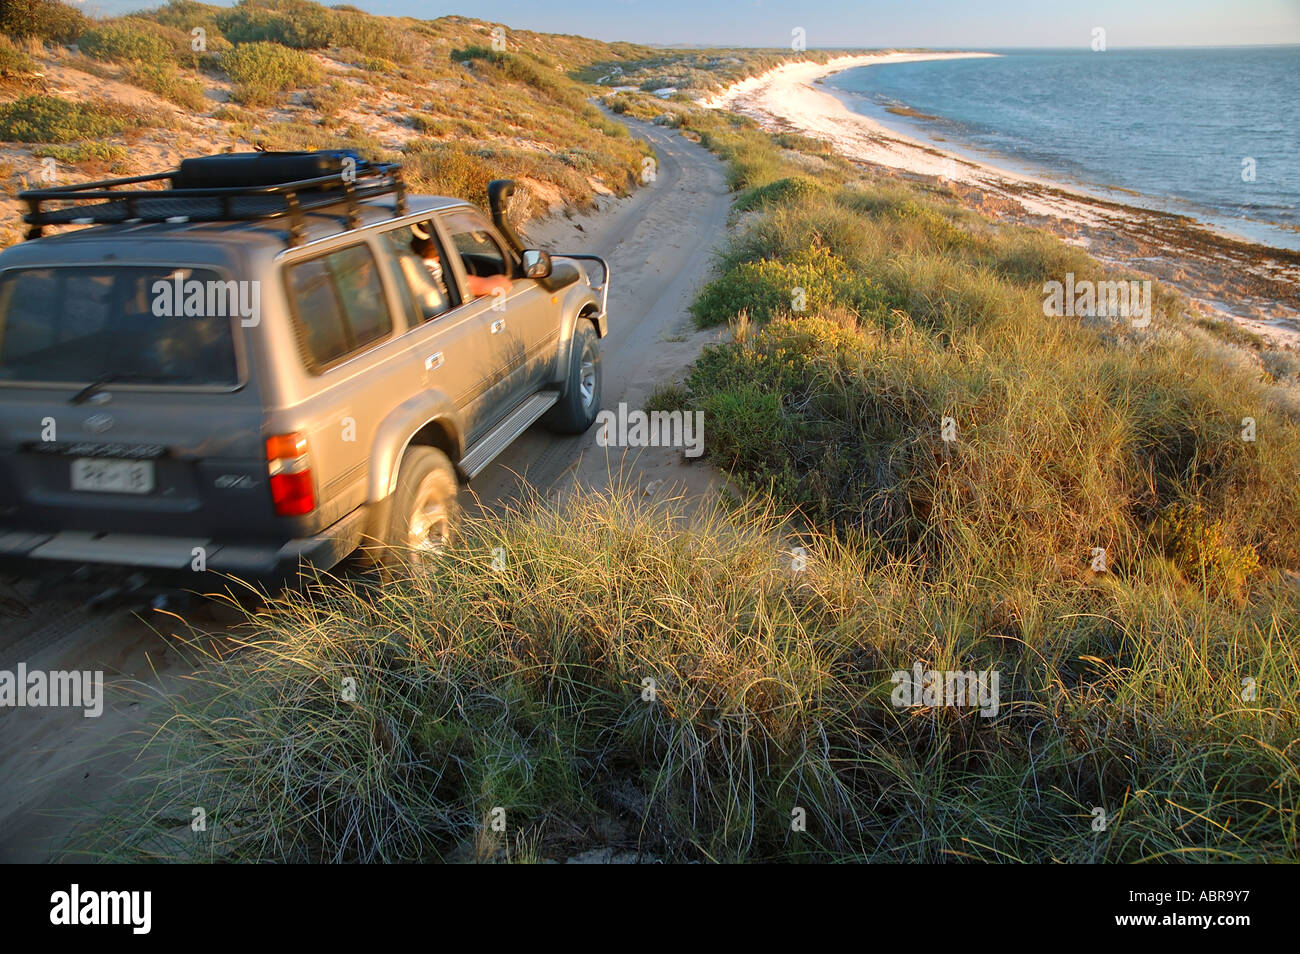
(112,476)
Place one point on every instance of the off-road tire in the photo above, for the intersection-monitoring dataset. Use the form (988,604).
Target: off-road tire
(577,409)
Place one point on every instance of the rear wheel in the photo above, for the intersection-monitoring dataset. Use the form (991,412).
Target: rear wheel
(577,409)
(424,511)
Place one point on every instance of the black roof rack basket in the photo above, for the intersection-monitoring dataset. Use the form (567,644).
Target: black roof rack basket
(230,187)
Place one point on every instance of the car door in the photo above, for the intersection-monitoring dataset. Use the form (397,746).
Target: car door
(524,326)
(450,341)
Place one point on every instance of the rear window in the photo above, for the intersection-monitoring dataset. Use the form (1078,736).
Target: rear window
(75,324)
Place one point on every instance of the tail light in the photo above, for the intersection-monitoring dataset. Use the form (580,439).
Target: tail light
(292,490)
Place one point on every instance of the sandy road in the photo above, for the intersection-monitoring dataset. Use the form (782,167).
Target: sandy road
(56,765)
(660,249)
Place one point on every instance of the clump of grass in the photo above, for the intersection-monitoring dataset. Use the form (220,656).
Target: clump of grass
(262,73)
(164,79)
(327,100)
(810,280)
(430,125)
(51,119)
(16,67)
(781,190)
(673,681)
(296,136)
(668,397)
(449,169)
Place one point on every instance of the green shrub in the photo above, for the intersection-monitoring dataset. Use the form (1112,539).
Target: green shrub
(126,41)
(48,20)
(374,37)
(292,23)
(50,119)
(1196,544)
(263,72)
(185,15)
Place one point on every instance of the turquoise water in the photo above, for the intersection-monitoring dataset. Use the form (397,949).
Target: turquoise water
(1175,126)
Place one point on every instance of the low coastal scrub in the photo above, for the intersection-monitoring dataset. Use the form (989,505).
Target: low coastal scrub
(438,93)
(164,79)
(90,151)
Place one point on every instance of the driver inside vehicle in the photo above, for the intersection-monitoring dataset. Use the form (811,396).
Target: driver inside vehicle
(423,245)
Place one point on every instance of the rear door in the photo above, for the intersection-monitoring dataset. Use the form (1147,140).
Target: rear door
(126,402)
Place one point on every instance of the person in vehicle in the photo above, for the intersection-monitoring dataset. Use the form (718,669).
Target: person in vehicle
(424,246)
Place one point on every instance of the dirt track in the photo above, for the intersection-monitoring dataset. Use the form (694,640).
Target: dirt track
(56,765)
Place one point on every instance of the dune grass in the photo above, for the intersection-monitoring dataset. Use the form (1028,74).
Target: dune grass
(673,681)
(871,312)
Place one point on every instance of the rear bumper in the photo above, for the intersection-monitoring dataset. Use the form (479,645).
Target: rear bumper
(255,561)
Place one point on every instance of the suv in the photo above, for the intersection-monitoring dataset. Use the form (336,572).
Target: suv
(276,360)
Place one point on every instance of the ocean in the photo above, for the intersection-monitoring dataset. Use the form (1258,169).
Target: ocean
(1213,133)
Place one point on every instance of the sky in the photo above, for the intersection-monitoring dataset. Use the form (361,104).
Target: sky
(980,24)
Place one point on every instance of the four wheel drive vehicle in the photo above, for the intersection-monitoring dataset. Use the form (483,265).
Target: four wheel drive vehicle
(277,360)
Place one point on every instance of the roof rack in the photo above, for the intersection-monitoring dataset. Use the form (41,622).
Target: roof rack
(340,190)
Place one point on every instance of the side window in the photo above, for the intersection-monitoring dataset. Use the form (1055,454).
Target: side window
(418,271)
(477,246)
(357,278)
(319,311)
(339,303)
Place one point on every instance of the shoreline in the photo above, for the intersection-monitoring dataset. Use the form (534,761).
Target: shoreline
(1257,287)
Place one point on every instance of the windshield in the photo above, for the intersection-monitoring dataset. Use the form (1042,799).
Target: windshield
(78,324)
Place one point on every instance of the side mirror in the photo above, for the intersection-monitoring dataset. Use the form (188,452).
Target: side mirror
(537,264)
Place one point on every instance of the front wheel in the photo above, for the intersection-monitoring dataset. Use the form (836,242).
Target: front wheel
(577,409)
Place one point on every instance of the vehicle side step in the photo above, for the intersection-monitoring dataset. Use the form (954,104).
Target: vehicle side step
(501,436)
